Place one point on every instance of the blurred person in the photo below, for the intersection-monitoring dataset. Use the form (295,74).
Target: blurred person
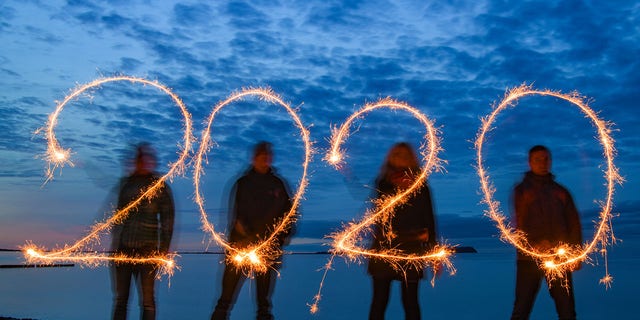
(260,199)
(545,212)
(413,224)
(146,231)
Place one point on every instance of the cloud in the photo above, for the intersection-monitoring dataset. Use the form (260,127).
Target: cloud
(334,15)
(17,125)
(260,45)
(189,15)
(244,16)
(9,72)
(129,65)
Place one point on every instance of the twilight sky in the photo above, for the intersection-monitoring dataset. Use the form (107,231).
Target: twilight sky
(450,59)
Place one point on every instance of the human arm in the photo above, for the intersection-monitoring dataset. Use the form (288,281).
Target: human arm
(430,220)
(237,217)
(167,218)
(429,236)
(285,236)
(574,227)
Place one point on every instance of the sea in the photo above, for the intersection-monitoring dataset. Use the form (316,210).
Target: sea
(481,287)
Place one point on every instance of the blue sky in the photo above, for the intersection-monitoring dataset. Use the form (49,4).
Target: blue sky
(450,59)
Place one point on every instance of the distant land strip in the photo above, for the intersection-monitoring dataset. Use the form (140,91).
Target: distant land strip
(40,265)
(461,249)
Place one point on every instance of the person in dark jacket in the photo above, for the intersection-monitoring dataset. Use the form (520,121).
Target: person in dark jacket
(545,212)
(146,231)
(413,224)
(260,200)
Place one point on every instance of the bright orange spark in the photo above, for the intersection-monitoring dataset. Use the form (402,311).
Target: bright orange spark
(606,281)
(256,257)
(57,157)
(558,260)
(345,242)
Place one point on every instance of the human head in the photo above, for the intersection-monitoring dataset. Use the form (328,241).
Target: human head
(540,160)
(402,156)
(262,157)
(145,159)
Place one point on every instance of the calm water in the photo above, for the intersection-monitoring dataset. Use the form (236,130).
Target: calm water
(482,288)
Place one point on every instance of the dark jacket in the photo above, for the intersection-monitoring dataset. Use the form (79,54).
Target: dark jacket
(260,201)
(546,213)
(148,228)
(408,221)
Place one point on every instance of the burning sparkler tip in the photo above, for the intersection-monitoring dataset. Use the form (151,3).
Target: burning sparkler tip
(334,158)
(60,156)
(253,257)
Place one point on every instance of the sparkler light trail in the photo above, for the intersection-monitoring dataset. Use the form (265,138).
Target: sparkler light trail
(57,157)
(256,257)
(345,242)
(557,260)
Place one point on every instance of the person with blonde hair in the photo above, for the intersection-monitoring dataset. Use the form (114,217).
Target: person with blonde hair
(414,229)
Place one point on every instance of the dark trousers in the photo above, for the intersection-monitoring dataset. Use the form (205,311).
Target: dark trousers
(528,279)
(144,276)
(232,281)
(381,290)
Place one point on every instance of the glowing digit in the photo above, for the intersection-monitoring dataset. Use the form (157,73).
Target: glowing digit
(253,258)
(345,242)
(561,259)
(57,157)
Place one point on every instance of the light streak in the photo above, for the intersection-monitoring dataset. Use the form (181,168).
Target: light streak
(345,242)
(256,257)
(57,157)
(556,261)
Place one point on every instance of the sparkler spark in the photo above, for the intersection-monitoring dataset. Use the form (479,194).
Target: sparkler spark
(57,157)
(345,242)
(256,257)
(558,260)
